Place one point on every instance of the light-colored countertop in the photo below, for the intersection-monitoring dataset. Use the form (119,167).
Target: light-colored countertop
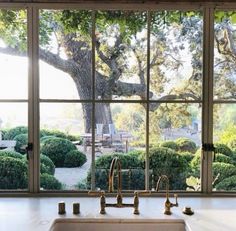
(38,214)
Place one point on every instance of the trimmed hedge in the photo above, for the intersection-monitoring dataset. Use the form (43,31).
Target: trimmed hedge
(170,144)
(186,145)
(164,161)
(223,149)
(57,149)
(11,133)
(56,133)
(74,158)
(187,155)
(49,182)
(46,165)
(13,173)
(10,153)
(223,170)
(228,184)
(21,141)
(129,160)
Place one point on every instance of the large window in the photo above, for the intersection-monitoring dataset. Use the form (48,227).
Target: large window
(146,86)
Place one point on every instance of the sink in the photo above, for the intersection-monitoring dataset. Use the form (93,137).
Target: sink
(96,224)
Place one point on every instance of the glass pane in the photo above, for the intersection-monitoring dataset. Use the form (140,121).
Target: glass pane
(176,55)
(121,54)
(224,165)
(13,139)
(175,140)
(13,54)
(224,55)
(65,54)
(64,161)
(120,132)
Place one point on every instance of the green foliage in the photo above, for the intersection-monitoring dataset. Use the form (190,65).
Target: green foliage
(164,161)
(187,155)
(170,144)
(11,133)
(46,165)
(222,171)
(228,184)
(186,145)
(223,149)
(74,158)
(21,142)
(49,182)
(44,134)
(223,158)
(13,154)
(13,173)
(56,149)
(129,160)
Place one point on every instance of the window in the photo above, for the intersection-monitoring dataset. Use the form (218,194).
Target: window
(148,86)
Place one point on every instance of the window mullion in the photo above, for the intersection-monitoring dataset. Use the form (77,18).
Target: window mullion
(207,112)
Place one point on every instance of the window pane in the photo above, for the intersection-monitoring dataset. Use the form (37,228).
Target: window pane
(13,52)
(224,55)
(224,166)
(64,161)
(123,135)
(176,55)
(65,54)
(13,138)
(175,140)
(121,53)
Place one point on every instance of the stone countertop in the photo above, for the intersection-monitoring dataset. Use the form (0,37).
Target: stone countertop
(38,214)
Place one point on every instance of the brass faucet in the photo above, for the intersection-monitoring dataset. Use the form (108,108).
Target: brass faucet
(168,204)
(119,199)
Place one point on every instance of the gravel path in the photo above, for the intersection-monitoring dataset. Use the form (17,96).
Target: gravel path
(72,176)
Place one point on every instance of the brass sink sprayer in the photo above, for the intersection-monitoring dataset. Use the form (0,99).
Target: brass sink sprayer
(119,199)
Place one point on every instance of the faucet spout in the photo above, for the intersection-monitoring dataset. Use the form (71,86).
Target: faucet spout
(115,163)
(168,204)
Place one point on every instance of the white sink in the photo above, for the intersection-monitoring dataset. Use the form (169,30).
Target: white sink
(118,225)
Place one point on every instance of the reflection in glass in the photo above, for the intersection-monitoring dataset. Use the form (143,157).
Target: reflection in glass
(65,54)
(175,140)
(13,138)
(176,55)
(224,165)
(123,136)
(65,147)
(121,47)
(224,56)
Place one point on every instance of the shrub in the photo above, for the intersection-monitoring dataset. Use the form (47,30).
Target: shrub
(13,154)
(223,158)
(49,182)
(21,141)
(187,155)
(164,161)
(129,160)
(170,144)
(227,184)
(56,133)
(56,149)
(74,158)
(186,144)
(46,165)
(45,138)
(11,133)
(13,173)
(222,171)
(132,179)
(223,149)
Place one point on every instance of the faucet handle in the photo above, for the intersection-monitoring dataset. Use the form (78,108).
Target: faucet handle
(176,204)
